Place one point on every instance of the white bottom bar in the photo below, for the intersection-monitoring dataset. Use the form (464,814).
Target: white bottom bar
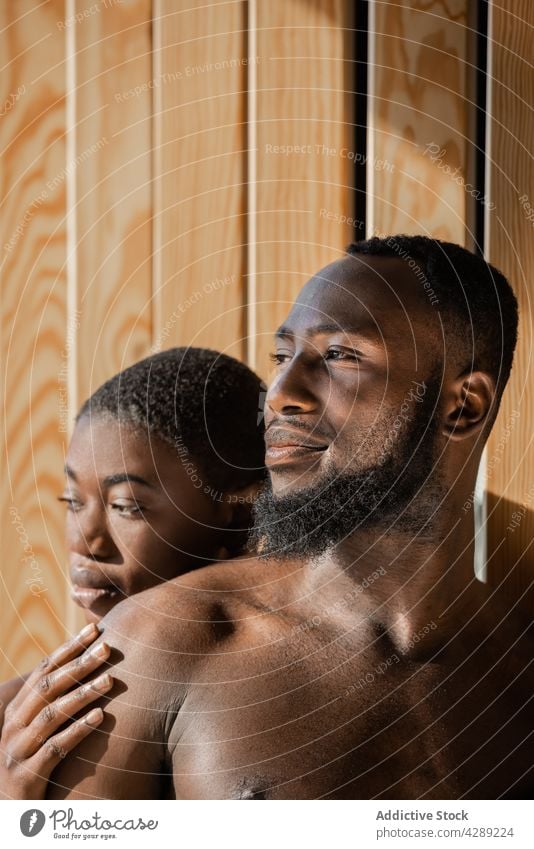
(275,825)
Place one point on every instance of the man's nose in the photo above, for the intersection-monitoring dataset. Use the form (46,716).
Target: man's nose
(292,392)
(88,535)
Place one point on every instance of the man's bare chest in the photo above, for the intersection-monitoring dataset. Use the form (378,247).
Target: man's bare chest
(338,724)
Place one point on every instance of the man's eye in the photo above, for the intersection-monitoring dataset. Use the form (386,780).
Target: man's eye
(279,357)
(343,354)
(73,504)
(126,508)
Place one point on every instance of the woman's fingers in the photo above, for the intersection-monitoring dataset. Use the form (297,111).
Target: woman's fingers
(31,745)
(72,648)
(57,747)
(66,652)
(55,714)
(49,686)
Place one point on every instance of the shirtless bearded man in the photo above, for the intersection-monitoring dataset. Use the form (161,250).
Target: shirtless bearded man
(357,656)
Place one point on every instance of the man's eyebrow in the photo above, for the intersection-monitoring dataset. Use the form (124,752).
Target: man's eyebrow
(367,330)
(70,472)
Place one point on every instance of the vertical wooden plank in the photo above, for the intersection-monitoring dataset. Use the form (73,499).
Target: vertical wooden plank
(200,170)
(510,246)
(418,118)
(113,195)
(304,189)
(33,314)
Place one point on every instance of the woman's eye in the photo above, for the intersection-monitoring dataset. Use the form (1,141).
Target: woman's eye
(73,504)
(279,357)
(126,508)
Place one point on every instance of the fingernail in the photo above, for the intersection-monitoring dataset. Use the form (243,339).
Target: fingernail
(101,650)
(88,630)
(103,683)
(94,717)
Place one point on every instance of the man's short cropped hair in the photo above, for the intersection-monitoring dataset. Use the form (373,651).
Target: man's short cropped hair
(475,300)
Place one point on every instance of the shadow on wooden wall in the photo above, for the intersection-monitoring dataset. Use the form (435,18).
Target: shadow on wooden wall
(510,550)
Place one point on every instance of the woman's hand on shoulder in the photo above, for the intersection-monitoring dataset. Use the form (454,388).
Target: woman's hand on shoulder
(33,739)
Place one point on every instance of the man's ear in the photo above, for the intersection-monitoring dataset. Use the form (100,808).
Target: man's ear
(468,403)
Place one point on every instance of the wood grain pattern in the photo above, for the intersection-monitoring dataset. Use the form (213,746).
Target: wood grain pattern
(418,118)
(200,171)
(511,248)
(110,165)
(32,222)
(304,191)
(113,198)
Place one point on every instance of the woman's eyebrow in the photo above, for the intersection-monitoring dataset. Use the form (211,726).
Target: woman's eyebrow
(70,472)
(112,480)
(125,477)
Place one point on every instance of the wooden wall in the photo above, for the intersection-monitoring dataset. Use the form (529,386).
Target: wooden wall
(418,117)
(510,246)
(303,186)
(200,168)
(34,320)
(173,172)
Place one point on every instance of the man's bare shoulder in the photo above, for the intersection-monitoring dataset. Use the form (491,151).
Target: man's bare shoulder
(161,641)
(509,637)
(250,580)
(509,621)
(183,614)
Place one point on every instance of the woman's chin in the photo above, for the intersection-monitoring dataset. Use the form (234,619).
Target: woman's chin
(95,602)
(91,617)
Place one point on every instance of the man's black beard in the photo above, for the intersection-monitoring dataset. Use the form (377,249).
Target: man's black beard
(310,521)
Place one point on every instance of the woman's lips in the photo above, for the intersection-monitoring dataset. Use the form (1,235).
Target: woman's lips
(87,596)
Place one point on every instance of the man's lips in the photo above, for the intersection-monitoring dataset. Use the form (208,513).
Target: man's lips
(283,445)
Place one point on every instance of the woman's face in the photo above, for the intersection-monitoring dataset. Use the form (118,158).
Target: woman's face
(135,517)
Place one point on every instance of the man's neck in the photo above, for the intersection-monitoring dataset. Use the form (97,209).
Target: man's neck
(408,583)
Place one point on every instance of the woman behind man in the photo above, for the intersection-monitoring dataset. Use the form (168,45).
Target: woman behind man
(161,473)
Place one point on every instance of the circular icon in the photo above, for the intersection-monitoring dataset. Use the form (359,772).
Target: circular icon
(32,822)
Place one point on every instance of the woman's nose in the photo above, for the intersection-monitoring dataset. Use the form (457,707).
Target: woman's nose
(88,534)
